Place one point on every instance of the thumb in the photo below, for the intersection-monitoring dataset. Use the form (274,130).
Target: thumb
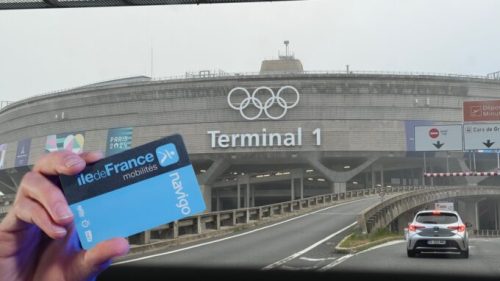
(99,258)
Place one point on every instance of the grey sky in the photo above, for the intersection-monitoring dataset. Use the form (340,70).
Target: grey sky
(47,50)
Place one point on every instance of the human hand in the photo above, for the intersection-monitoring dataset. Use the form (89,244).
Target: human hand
(38,240)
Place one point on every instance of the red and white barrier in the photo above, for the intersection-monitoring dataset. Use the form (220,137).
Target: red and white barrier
(462,174)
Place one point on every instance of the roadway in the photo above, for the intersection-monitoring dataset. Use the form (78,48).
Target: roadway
(483,260)
(303,242)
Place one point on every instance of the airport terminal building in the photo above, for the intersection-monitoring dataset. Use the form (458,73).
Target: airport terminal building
(260,138)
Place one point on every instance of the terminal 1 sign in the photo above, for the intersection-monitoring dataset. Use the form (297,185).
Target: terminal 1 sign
(264,138)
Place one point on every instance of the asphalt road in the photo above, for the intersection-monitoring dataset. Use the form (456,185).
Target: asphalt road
(484,260)
(304,242)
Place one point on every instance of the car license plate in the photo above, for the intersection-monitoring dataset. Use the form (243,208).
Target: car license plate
(436,242)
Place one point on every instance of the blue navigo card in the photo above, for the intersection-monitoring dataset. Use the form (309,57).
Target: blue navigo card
(133,191)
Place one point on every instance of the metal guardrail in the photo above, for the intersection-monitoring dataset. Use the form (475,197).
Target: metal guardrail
(221,74)
(383,214)
(486,233)
(4,103)
(215,221)
(494,75)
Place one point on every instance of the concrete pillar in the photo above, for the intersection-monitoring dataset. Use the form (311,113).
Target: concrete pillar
(247,196)
(338,187)
(476,208)
(373,176)
(207,196)
(243,181)
(297,189)
(498,216)
(412,177)
(382,175)
(302,187)
(432,171)
(467,210)
(218,203)
(238,196)
(252,196)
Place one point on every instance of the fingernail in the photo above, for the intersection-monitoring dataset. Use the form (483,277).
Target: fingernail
(59,230)
(98,153)
(73,160)
(62,211)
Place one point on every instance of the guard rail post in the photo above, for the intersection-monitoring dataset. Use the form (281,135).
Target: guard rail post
(144,237)
(247,215)
(217,221)
(175,229)
(199,227)
(234,218)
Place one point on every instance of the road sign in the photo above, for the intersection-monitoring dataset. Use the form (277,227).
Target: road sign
(488,110)
(482,136)
(438,138)
(445,206)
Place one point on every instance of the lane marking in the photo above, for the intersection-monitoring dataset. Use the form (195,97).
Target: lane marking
(299,253)
(342,214)
(335,263)
(299,268)
(318,259)
(390,243)
(237,235)
(348,256)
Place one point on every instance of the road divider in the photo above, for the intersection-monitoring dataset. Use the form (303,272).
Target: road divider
(344,247)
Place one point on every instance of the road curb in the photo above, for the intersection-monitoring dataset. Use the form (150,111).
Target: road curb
(353,250)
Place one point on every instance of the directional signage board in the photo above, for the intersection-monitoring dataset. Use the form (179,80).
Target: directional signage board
(482,136)
(438,138)
(488,110)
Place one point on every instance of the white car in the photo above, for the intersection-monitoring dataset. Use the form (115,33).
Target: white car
(437,231)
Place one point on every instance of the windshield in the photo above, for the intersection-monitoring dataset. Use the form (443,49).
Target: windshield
(310,129)
(442,218)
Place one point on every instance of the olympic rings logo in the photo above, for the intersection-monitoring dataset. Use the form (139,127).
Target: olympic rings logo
(251,100)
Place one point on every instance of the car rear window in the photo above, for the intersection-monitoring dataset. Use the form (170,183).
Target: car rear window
(441,218)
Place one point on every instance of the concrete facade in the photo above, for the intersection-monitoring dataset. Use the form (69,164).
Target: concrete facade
(362,118)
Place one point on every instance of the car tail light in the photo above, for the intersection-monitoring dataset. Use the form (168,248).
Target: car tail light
(436,212)
(459,228)
(414,227)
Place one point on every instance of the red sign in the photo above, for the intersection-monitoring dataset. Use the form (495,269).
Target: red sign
(482,110)
(433,133)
